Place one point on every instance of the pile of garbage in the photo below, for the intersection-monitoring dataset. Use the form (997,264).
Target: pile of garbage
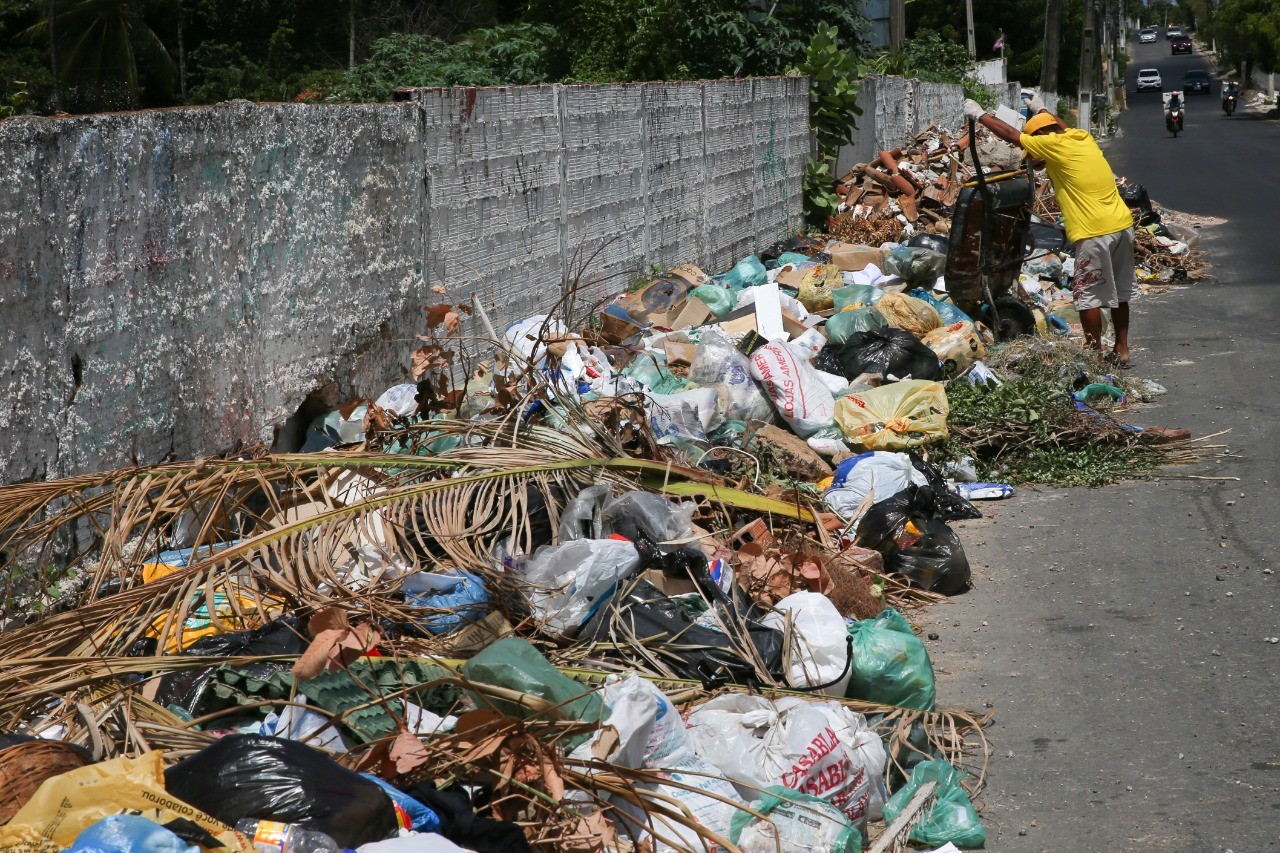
(913,190)
(633,579)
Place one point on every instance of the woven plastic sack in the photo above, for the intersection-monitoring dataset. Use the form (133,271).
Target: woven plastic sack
(895,416)
(795,388)
(958,346)
(793,823)
(952,818)
(853,320)
(891,665)
(908,313)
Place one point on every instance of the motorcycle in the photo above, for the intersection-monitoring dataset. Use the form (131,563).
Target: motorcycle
(1173,120)
(1229,103)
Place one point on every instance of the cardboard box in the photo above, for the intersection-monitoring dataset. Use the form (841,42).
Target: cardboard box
(854,258)
(694,314)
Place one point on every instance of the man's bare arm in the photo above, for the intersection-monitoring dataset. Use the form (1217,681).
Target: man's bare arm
(1005,131)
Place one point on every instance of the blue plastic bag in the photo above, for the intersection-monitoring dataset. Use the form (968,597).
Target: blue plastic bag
(464,602)
(419,817)
(124,833)
(946,309)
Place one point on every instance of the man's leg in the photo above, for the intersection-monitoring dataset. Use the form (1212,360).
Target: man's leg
(1122,261)
(1091,322)
(1120,319)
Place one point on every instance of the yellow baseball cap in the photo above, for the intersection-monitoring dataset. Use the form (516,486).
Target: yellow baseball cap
(1037,121)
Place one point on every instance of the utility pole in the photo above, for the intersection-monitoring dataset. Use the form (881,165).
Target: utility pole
(968,16)
(53,55)
(1087,51)
(1052,44)
(897,24)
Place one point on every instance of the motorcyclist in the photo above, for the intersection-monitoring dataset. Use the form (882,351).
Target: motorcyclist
(1230,91)
(1175,103)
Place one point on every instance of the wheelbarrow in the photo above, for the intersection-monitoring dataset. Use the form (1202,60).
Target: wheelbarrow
(991,235)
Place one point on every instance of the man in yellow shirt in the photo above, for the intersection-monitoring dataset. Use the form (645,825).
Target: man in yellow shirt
(1096,219)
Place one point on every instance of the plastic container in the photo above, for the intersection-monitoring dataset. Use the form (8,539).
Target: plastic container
(270,836)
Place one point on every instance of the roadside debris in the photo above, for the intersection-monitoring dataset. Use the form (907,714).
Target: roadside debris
(627,578)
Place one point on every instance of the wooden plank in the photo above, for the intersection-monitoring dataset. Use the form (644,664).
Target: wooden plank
(894,838)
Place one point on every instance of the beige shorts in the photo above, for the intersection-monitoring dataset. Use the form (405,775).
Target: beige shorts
(1105,274)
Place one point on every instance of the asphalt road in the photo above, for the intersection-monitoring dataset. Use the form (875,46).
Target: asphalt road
(1119,632)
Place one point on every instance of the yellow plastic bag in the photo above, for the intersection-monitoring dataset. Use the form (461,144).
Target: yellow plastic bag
(65,805)
(818,286)
(908,313)
(245,615)
(895,416)
(957,347)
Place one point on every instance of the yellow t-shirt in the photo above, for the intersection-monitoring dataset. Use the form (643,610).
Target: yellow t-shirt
(1082,181)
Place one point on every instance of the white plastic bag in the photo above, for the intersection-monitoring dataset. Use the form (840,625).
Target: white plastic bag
(756,742)
(673,420)
(413,842)
(880,473)
(797,391)
(575,578)
(653,736)
(703,401)
(525,339)
(819,650)
(304,725)
(399,399)
(718,364)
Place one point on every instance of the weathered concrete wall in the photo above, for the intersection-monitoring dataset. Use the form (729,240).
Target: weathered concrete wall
(896,108)
(172,282)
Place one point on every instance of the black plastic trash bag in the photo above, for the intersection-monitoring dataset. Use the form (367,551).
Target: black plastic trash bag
(944,503)
(933,242)
(915,543)
(460,823)
(889,351)
(688,649)
(267,778)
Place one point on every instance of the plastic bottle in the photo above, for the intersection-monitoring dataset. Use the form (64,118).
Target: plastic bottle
(271,836)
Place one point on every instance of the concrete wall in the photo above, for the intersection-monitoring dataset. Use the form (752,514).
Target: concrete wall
(174,281)
(896,108)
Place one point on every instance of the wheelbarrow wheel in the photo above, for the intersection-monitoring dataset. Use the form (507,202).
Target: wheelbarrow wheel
(1016,319)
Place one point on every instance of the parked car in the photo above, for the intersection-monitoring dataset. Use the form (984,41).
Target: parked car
(1181,44)
(1172,33)
(1147,36)
(1196,80)
(1149,79)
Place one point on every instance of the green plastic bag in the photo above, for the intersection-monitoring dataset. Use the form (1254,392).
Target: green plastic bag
(748,272)
(516,665)
(844,325)
(891,665)
(856,294)
(953,818)
(799,822)
(792,258)
(652,374)
(721,300)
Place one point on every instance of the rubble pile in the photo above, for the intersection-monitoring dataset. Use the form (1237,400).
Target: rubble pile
(634,580)
(913,190)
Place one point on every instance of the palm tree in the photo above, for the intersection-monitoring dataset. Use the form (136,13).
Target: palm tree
(99,47)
